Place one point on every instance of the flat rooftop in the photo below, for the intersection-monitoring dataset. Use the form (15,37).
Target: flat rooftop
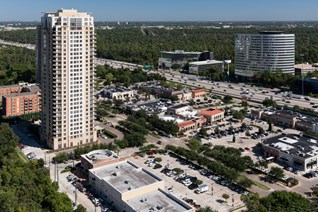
(151,106)
(159,201)
(20,94)
(305,66)
(10,86)
(285,114)
(172,118)
(179,106)
(101,155)
(125,176)
(180,52)
(304,146)
(116,89)
(207,62)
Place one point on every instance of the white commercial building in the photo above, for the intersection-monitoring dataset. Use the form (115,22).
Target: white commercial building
(301,153)
(263,52)
(179,57)
(199,66)
(65,51)
(130,188)
(119,92)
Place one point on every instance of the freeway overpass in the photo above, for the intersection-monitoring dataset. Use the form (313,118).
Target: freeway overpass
(98,61)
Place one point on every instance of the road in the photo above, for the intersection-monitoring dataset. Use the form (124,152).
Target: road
(119,134)
(222,88)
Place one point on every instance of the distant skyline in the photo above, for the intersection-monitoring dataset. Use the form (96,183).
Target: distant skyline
(167,10)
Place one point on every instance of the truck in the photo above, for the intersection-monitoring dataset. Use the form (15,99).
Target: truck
(295,96)
(202,188)
(193,78)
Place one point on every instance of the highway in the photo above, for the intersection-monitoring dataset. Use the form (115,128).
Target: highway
(255,94)
(220,89)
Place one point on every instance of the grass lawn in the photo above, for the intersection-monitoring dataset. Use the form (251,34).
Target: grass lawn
(109,134)
(260,185)
(154,135)
(21,155)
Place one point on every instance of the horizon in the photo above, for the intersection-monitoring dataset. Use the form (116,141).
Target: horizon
(168,11)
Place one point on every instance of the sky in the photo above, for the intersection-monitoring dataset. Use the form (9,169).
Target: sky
(167,10)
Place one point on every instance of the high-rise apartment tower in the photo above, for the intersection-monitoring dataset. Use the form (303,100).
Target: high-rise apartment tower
(65,70)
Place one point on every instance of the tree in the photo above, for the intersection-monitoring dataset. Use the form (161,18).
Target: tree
(238,115)
(80,208)
(245,182)
(314,191)
(269,102)
(225,197)
(252,203)
(198,182)
(260,130)
(227,99)
(175,66)
(203,132)
(158,160)
(178,171)
(118,102)
(26,186)
(216,130)
(286,201)
(191,102)
(194,144)
(244,104)
(174,98)
(276,172)
(270,127)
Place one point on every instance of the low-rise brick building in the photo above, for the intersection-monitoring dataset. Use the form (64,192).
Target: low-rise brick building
(16,104)
(192,124)
(212,115)
(198,93)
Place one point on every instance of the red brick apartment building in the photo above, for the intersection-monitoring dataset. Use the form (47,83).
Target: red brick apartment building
(16,104)
(9,89)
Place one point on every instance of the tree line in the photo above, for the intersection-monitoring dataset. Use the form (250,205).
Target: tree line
(142,45)
(26,186)
(16,65)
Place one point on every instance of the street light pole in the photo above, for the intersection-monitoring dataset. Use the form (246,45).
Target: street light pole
(75,192)
(302,76)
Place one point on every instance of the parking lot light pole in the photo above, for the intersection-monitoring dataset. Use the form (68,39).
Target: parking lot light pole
(212,188)
(75,192)
(232,200)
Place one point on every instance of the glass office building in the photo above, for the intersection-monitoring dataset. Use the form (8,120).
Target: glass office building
(264,51)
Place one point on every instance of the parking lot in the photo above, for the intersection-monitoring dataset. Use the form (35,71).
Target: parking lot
(78,193)
(182,183)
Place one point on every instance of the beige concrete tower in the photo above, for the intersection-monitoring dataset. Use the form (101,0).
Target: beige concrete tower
(66,73)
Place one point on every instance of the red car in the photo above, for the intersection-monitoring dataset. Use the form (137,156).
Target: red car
(247,149)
